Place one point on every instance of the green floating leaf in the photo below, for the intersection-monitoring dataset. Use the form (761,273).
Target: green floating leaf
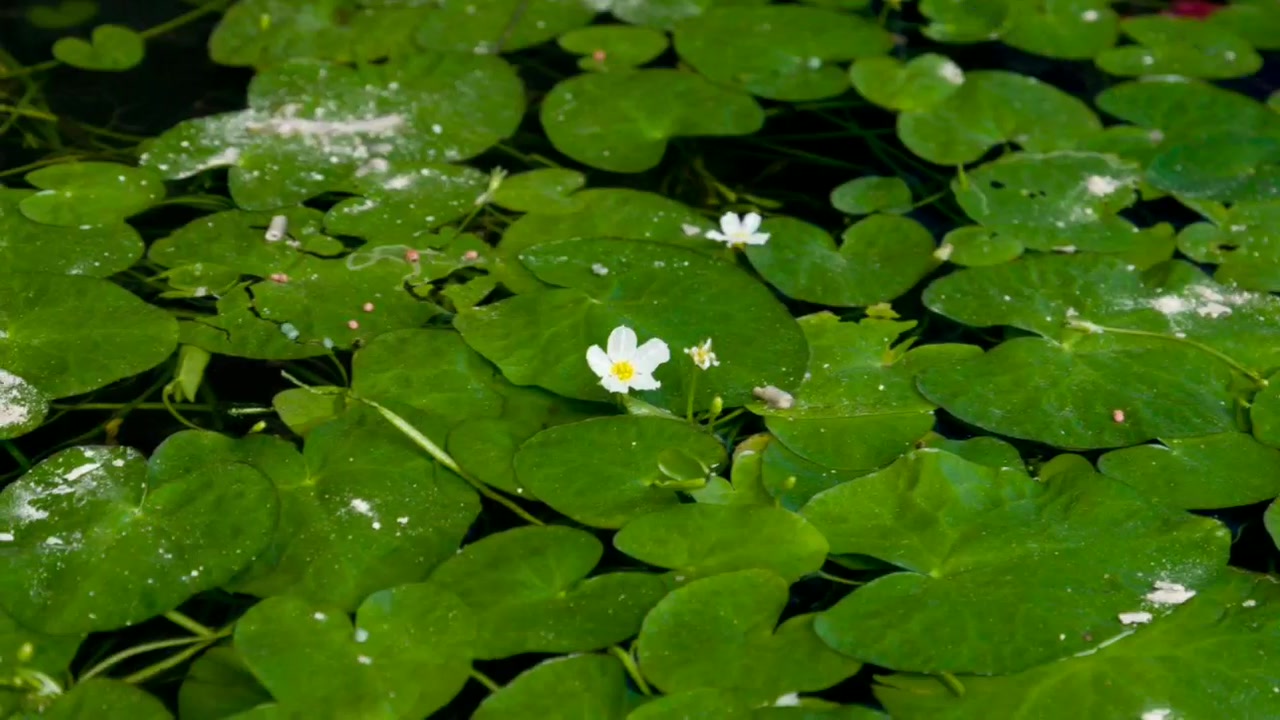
(402,204)
(880,257)
(917,85)
(1159,374)
(262,33)
(1265,413)
(30,246)
(550,190)
(303,410)
(567,688)
(1055,189)
(657,13)
(499,25)
(1066,29)
(976,246)
(1257,21)
(979,545)
(219,685)
(1150,672)
(529,591)
(1244,242)
(613,47)
(111,48)
(238,330)
(90,194)
(69,335)
(621,122)
(983,450)
(23,651)
(1226,168)
(700,540)
(1183,109)
(1214,471)
(408,654)
(601,213)
(65,14)
(1185,47)
(313,126)
(361,509)
(994,107)
(780,52)
(859,408)
(792,479)
(23,406)
(740,647)
(102,699)
(975,21)
(98,541)
(247,242)
(866,195)
(618,481)
(542,338)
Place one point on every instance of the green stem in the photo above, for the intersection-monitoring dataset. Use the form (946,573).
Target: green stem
(633,670)
(953,684)
(151,671)
(1258,380)
(185,18)
(485,680)
(693,391)
(164,397)
(725,418)
(838,579)
(16,454)
(136,650)
(194,627)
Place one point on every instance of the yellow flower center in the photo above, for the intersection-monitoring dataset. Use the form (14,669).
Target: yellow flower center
(624,370)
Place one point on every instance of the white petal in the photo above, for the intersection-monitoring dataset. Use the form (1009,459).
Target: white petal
(622,343)
(729,223)
(717,235)
(649,356)
(751,222)
(758,239)
(645,381)
(598,361)
(613,384)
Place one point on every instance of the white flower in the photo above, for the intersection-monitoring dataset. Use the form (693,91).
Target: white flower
(625,366)
(735,231)
(702,355)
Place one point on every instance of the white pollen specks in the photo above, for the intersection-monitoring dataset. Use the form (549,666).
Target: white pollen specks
(364,659)
(320,616)
(1135,618)
(598,269)
(1169,593)
(6,537)
(361,635)
(1102,186)
(14,410)
(1249,603)
(1090,16)
(1157,714)
(1202,300)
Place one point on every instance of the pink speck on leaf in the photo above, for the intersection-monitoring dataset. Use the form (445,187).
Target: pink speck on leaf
(367,307)
(353,324)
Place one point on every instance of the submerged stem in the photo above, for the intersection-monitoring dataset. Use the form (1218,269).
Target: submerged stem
(1258,380)
(633,670)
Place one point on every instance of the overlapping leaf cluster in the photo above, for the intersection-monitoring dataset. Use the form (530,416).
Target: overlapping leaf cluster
(977,488)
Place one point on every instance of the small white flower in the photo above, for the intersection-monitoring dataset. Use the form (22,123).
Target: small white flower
(702,355)
(624,366)
(735,231)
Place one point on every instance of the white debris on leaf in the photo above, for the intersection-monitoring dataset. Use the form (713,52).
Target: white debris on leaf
(738,231)
(13,409)
(625,365)
(788,700)
(1157,714)
(1102,186)
(944,251)
(1202,300)
(951,72)
(598,269)
(1135,618)
(1169,593)
(1090,16)
(1249,603)
(773,397)
(690,230)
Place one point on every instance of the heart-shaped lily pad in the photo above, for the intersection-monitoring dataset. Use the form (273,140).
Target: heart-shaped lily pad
(880,258)
(866,195)
(314,126)
(740,647)
(613,47)
(69,335)
(1066,555)
(623,478)
(106,699)
(499,25)
(99,541)
(219,685)
(1180,46)
(64,14)
(700,540)
(917,85)
(90,194)
(1067,29)
(362,508)
(30,246)
(1222,167)
(549,190)
(1147,673)
(238,330)
(408,654)
(621,122)
(528,591)
(1244,241)
(263,33)
(993,107)
(399,204)
(604,284)
(1185,109)
(247,242)
(111,48)
(579,686)
(783,52)
(1214,471)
